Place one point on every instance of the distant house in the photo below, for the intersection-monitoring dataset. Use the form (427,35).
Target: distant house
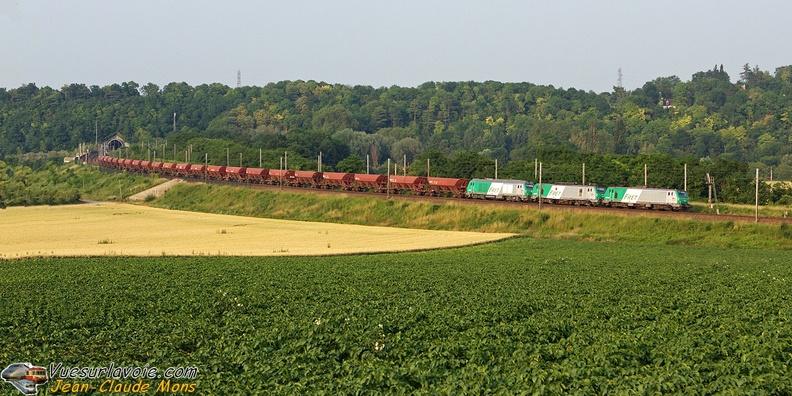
(666,103)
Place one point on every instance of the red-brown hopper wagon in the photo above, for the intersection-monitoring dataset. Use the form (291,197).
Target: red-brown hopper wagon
(135,165)
(414,184)
(256,175)
(278,176)
(216,172)
(181,170)
(145,166)
(156,167)
(338,179)
(168,168)
(235,173)
(445,185)
(307,178)
(378,183)
(126,164)
(197,171)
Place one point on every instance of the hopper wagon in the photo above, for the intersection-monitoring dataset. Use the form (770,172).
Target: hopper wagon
(507,190)
(414,184)
(236,173)
(217,172)
(446,185)
(278,176)
(145,166)
(307,178)
(197,171)
(134,165)
(256,175)
(378,183)
(126,164)
(646,198)
(338,179)
(181,170)
(104,161)
(156,167)
(168,168)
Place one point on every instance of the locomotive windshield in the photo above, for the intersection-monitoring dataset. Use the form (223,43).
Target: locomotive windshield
(682,194)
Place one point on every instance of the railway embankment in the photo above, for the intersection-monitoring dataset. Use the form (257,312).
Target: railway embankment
(619,226)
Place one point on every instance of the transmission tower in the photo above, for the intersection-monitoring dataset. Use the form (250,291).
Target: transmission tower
(239,78)
(619,80)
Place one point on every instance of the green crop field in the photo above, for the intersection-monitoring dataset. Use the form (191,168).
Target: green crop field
(522,315)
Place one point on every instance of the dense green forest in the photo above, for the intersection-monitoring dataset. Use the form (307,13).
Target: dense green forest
(707,120)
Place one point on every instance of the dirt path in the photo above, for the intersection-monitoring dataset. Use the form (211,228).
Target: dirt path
(155,191)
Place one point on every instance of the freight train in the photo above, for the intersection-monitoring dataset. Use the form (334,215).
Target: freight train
(495,189)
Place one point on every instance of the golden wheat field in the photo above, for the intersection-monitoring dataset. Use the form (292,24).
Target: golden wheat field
(112,229)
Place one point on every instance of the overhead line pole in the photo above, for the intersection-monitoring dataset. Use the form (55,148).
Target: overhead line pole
(757,195)
(540,186)
(685,177)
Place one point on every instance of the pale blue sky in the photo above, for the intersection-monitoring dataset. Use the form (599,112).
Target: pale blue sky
(565,43)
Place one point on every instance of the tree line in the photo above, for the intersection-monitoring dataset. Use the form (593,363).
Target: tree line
(706,120)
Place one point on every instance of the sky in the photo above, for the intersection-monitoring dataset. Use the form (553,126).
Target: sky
(565,43)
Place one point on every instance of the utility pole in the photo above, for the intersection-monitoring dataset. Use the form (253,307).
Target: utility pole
(388,187)
(259,158)
(367,164)
(540,186)
(427,168)
(536,167)
(757,195)
(174,123)
(685,177)
(496,168)
(584,173)
(646,176)
(405,165)
(709,195)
